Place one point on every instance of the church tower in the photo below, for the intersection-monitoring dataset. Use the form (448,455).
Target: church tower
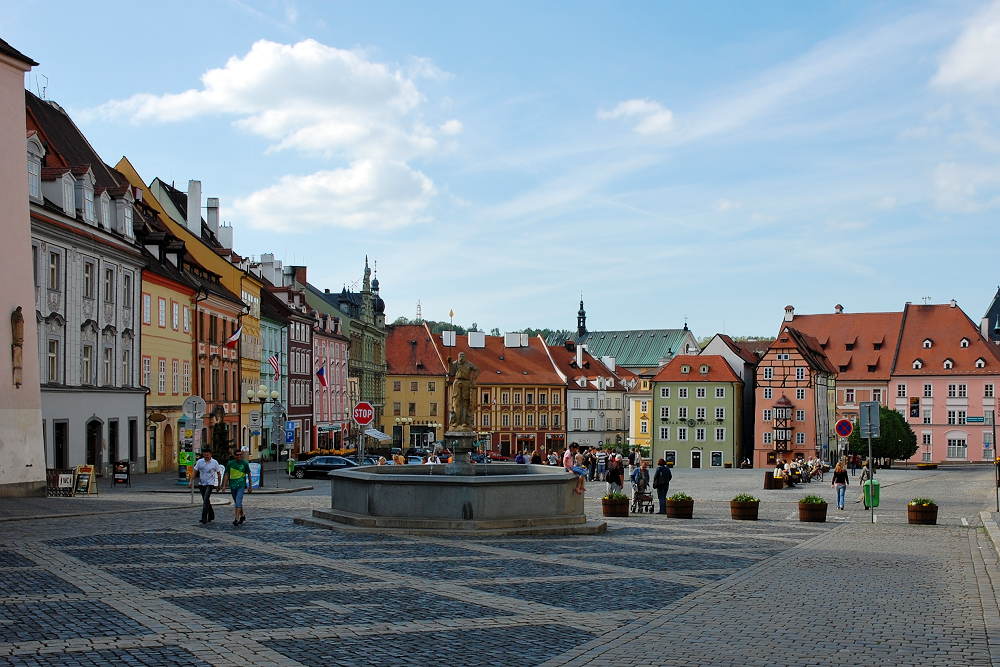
(581,321)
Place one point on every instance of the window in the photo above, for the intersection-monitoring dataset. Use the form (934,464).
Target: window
(504,420)
(109,366)
(767,437)
(555,401)
(948,364)
(877,395)
(699,434)
(987,446)
(643,426)
(161,380)
(146,371)
(529,399)
(685,369)
(952,390)
(699,413)
(175,376)
(664,412)
(590,401)
(643,406)
(109,285)
(957,448)
(980,363)
(541,398)
(928,343)
(927,416)
(988,390)
(682,392)
(699,392)
(703,369)
(146,309)
(848,395)
(800,438)
(590,424)
(69,199)
(186,378)
(162,312)
(106,211)
(682,412)
(556,421)
(664,433)
(720,434)
(34,177)
(128,219)
(486,420)
(682,434)
(720,413)
(505,398)
(800,415)
(768,373)
(175,315)
(960,416)
(720,392)
(768,393)
(800,394)
(576,403)
(396,409)
(517,400)
(766,415)
(127,368)
(963,391)
(664,392)
(413,386)
(186,319)
(782,356)
(54,271)
(486,398)
(87,365)
(529,419)
(88,203)
(901,391)
(800,373)
(543,420)
(431,386)
(433,409)
(411,409)
(397,385)
(964,342)
(88,280)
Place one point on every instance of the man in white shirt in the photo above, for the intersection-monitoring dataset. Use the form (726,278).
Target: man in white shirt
(208,474)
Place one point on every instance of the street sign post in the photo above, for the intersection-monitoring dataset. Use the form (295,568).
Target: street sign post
(975,420)
(870,423)
(255,419)
(194,408)
(844,428)
(364,413)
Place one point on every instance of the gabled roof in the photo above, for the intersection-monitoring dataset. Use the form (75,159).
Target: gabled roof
(807,346)
(505,365)
(719,369)
(593,368)
(410,350)
(750,351)
(635,348)
(946,325)
(835,332)
(9,51)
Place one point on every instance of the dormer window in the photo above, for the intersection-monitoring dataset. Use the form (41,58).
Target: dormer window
(964,342)
(928,343)
(35,155)
(703,370)
(85,197)
(685,369)
(980,363)
(68,193)
(917,363)
(105,207)
(948,364)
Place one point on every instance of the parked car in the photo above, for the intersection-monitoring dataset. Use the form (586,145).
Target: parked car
(479,457)
(414,460)
(320,465)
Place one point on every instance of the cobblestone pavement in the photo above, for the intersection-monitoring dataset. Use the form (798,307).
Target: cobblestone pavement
(157,588)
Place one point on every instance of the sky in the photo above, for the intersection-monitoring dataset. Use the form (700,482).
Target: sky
(707,162)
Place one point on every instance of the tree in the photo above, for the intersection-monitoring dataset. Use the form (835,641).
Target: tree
(896,439)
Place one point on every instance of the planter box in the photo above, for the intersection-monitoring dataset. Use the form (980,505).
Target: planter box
(615,507)
(812,512)
(927,466)
(743,511)
(925,515)
(680,509)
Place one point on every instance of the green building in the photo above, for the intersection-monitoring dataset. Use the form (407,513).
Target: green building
(697,412)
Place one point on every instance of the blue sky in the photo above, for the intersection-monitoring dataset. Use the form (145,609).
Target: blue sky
(713,161)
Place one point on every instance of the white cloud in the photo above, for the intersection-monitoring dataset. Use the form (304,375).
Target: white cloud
(306,96)
(887,203)
(966,188)
(973,61)
(724,205)
(651,117)
(451,127)
(369,194)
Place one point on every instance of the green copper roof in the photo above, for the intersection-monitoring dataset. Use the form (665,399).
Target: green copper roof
(636,348)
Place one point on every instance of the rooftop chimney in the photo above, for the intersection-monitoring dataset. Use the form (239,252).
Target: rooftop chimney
(212,215)
(953,303)
(789,313)
(579,356)
(225,236)
(838,309)
(609,362)
(194,208)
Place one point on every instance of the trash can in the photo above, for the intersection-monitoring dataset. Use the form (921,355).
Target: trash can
(769,479)
(871,490)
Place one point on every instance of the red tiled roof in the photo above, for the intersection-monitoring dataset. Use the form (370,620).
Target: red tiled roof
(807,346)
(751,351)
(518,365)
(410,350)
(719,369)
(593,368)
(945,326)
(835,331)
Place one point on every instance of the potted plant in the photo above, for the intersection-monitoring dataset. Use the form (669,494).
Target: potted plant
(744,507)
(615,504)
(922,511)
(812,508)
(680,506)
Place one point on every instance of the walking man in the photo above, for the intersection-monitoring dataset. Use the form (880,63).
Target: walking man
(238,474)
(602,463)
(661,482)
(208,474)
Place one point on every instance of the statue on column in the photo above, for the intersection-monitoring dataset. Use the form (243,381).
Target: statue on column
(461,376)
(17,345)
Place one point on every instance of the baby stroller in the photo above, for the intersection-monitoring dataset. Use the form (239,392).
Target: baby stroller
(642,500)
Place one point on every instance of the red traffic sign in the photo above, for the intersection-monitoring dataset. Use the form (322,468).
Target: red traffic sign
(844,428)
(364,413)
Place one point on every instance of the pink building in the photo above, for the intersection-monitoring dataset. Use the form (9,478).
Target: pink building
(945,371)
(330,395)
(22,470)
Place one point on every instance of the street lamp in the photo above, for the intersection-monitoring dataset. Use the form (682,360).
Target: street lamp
(263,396)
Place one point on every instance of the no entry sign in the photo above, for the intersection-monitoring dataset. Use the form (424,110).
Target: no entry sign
(844,428)
(364,413)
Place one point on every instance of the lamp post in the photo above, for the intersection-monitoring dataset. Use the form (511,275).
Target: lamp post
(263,396)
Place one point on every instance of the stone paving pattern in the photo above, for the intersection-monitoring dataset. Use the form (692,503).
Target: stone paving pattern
(156,588)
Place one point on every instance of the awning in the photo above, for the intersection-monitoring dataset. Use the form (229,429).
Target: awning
(377,434)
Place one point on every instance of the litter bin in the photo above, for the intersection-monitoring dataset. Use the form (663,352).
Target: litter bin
(871,490)
(769,479)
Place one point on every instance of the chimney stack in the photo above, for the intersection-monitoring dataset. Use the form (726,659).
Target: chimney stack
(194,208)
(225,235)
(579,356)
(789,313)
(212,215)
(953,303)
(838,309)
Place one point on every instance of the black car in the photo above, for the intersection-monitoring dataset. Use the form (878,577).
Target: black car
(320,465)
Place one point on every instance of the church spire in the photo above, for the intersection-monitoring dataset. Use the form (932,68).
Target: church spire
(367,284)
(581,320)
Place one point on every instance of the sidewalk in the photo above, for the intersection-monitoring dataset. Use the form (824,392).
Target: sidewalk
(275,480)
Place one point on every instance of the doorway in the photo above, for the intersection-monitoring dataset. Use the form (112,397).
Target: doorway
(60,444)
(93,434)
(113,440)
(695,459)
(168,452)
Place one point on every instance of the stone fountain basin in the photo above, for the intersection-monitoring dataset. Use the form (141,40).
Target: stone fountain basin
(508,498)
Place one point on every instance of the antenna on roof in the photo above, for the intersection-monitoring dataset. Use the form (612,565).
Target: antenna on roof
(926,300)
(45,87)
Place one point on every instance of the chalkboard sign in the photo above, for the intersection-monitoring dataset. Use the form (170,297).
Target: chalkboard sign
(82,482)
(121,474)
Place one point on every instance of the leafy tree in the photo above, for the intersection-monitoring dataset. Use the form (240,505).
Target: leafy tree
(896,439)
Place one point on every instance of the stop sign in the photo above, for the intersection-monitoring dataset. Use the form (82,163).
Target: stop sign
(364,413)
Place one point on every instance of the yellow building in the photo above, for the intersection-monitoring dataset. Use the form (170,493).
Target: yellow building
(639,399)
(211,246)
(415,399)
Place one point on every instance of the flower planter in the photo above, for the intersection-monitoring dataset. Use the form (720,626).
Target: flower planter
(743,511)
(615,507)
(812,512)
(680,509)
(927,466)
(925,515)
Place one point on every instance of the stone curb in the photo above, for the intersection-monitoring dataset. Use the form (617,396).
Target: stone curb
(71,515)
(991,528)
(256,492)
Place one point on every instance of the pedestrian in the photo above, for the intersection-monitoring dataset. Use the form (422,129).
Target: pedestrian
(208,474)
(602,463)
(615,476)
(840,483)
(536,457)
(591,464)
(866,474)
(640,479)
(631,459)
(553,459)
(433,459)
(661,482)
(855,460)
(381,461)
(520,458)
(240,482)
(570,464)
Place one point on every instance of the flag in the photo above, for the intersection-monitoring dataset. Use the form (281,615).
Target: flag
(276,365)
(235,338)
(321,374)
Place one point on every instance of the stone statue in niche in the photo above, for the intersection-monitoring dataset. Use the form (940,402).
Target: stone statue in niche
(17,345)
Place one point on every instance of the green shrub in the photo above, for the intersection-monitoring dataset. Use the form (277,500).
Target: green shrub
(923,501)
(813,500)
(680,495)
(745,498)
(615,496)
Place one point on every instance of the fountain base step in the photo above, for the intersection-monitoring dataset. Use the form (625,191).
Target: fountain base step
(548,525)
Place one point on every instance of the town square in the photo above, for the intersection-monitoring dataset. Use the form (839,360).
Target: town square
(589,333)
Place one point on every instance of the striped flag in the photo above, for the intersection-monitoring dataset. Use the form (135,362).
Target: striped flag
(276,365)
(321,374)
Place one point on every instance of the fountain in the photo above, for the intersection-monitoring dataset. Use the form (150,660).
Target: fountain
(460,497)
